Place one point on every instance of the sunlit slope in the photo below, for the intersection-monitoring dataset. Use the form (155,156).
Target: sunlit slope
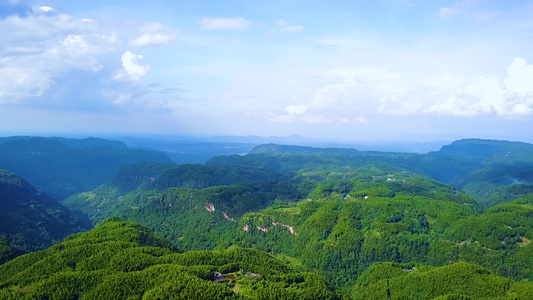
(338,227)
(122,260)
(343,238)
(337,211)
(460,281)
(183,214)
(30,220)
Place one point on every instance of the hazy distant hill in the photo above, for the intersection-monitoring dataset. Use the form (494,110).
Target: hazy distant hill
(188,150)
(30,220)
(198,150)
(488,149)
(62,167)
(486,165)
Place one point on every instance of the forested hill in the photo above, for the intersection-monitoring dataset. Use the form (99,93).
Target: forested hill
(69,142)
(480,167)
(61,167)
(343,215)
(30,220)
(482,149)
(122,260)
(488,149)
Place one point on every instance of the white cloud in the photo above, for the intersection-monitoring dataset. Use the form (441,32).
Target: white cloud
(154,34)
(520,78)
(355,87)
(41,9)
(510,97)
(111,38)
(46,9)
(133,69)
(39,50)
(17,83)
(293,29)
(152,39)
(380,91)
(296,109)
(65,61)
(453,106)
(75,45)
(239,24)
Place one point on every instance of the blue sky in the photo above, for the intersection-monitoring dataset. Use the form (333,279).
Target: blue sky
(351,70)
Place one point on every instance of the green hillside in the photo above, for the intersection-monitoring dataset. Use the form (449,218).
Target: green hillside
(342,213)
(460,281)
(173,200)
(7,252)
(30,220)
(122,260)
(348,221)
(337,211)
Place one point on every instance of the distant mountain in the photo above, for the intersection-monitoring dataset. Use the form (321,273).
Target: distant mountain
(294,139)
(188,150)
(197,150)
(30,220)
(499,163)
(488,149)
(61,167)
(71,142)
(90,142)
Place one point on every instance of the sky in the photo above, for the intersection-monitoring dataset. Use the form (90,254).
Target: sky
(353,70)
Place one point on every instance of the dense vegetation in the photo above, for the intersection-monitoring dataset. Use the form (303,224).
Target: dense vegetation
(30,220)
(456,281)
(359,220)
(61,167)
(122,260)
